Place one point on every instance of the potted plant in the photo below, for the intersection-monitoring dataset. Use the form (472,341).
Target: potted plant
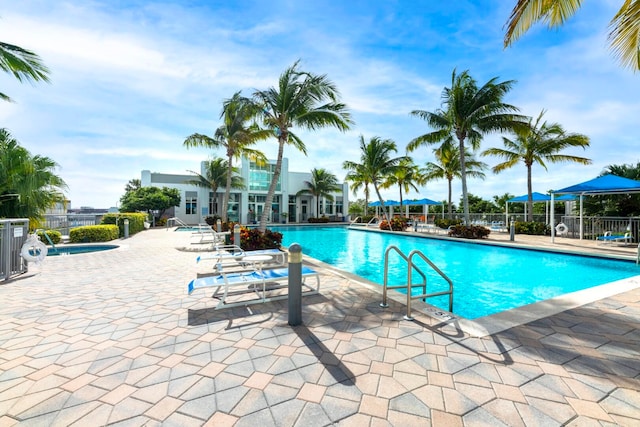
(284,216)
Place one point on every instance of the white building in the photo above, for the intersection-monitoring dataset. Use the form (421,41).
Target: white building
(247,205)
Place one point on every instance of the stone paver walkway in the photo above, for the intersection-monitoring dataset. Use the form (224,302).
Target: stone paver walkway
(112,338)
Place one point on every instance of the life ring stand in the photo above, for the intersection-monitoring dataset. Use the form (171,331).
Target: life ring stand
(562,228)
(33,250)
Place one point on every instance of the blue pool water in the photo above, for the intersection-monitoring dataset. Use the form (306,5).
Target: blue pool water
(188,228)
(487,279)
(72,250)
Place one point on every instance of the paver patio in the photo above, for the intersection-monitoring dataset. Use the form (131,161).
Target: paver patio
(112,338)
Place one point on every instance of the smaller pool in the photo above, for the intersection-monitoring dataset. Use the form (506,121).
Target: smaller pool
(192,229)
(72,250)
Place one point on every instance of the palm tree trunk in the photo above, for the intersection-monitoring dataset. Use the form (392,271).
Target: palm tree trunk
(274,181)
(463,175)
(529,195)
(227,191)
(384,211)
(449,209)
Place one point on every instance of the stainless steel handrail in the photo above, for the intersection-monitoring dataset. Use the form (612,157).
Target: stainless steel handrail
(426,295)
(411,266)
(385,284)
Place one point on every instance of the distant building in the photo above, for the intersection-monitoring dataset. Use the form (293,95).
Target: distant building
(246,205)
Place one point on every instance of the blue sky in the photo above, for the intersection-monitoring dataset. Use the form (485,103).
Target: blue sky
(130,80)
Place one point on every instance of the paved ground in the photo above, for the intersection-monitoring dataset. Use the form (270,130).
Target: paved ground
(112,338)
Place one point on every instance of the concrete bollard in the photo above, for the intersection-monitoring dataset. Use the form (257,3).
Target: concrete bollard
(512,230)
(126,228)
(295,285)
(219,226)
(236,235)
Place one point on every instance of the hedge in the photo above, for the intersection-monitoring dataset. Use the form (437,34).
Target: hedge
(93,233)
(136,221)
(54,236)
(469,231)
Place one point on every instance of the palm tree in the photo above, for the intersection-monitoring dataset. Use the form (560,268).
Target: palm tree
(447,166)
(217,175)
(322,184)
(359,180)
(302,99)
(28,182)
(623,28)
(376,163)
(23,64)
(539,142)
(469,113)
(236,136)
(406,177)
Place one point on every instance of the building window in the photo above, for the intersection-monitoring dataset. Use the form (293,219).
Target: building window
(191,202)
(260,177)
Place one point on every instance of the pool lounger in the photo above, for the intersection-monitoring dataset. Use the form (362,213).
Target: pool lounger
(233,254)
(254,281)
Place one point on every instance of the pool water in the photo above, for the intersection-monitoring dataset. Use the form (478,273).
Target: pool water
(72,250)
(487,279)
(192,229)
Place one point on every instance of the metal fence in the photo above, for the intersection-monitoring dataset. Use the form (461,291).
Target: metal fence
(13,233)
(64,223)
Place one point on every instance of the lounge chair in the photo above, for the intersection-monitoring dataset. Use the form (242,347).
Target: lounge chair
(232,255)
(252,281)
(609,238)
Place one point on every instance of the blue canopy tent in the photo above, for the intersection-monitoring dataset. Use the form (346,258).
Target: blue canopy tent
(389,203)
(606,184)
(425,203)
(537,198)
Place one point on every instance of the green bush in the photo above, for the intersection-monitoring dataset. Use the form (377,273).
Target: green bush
(322,219)
(397,224)
(136,222)
(532,228)
(93,233)
(252,239)
(54,235)
(446,222)
(469,231)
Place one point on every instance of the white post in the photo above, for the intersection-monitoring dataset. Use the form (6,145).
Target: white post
(552,220)
(581,219)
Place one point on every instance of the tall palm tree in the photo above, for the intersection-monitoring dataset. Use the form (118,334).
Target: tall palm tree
(28,182)
(538,142)
(376,163)
(469,112)
(217,175)
(322,184)
(23,64)
(236,135)
(447,166)
(359,180)
(303,100)
(624,28)
(407,176)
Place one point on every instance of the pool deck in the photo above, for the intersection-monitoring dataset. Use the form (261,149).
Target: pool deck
(112,338)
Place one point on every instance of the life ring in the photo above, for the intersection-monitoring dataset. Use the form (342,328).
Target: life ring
(561,228)
(33,250)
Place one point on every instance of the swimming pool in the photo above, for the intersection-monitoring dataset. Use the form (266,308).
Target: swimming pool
(487,279)
(83,249)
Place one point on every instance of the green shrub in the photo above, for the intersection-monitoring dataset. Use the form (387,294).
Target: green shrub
(54,236)
(532,228)
(252,239)
(469,231)
(322,219)
(446,222)
(93,233)
(397,224)
(136,222)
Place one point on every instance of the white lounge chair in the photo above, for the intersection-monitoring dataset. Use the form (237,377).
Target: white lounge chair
(608,238)
(253,281)
(232,255)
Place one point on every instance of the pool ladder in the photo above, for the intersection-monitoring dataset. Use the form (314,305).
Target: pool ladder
(409,285)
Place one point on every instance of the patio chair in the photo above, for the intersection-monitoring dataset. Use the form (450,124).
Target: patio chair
(608,238)
(250,282)
(233,255)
